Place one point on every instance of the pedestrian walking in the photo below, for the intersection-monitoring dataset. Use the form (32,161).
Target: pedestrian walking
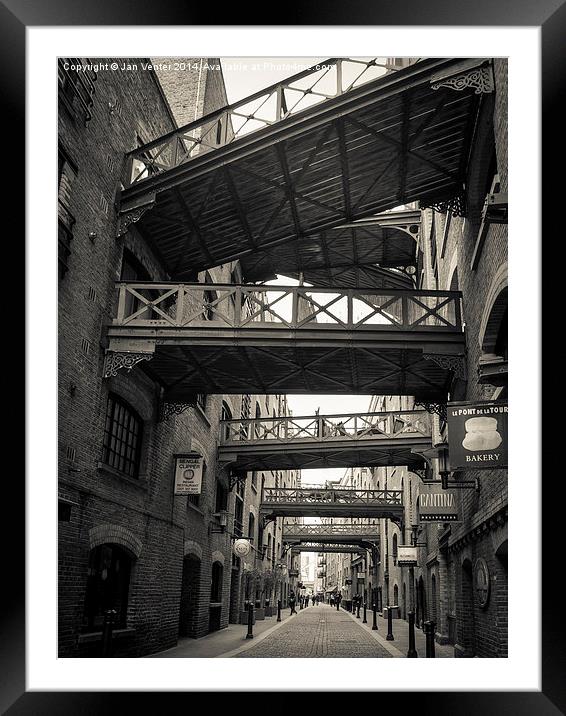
(307,600)
(292,602)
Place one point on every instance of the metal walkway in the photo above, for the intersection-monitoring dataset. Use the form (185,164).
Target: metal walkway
(224,338)
(317,441)
(329,502)
(309,154)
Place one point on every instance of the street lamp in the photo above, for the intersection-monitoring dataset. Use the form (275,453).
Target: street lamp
(222,517)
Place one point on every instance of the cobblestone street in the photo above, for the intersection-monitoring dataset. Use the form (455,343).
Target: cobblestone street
(318,632)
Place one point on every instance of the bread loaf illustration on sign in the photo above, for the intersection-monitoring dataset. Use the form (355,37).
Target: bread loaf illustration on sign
(481,434)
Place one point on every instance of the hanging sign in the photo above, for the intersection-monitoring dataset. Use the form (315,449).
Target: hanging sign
(437,505)
(477,435)
(188,474)
(242,547)
(407,554)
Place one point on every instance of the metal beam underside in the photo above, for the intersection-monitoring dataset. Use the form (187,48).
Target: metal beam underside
(290,176)
(186,362)
(366,452)
(310,509)
(327,549)
(291,537)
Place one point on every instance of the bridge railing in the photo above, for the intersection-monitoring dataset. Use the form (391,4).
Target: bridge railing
(331,78)
(315,531)
(300,495)
(221,306)
(328,428)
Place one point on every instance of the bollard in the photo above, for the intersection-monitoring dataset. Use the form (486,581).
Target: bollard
(358,610)
(429,636)
(374,609)
(278,610)
(389,636)
(250,634)
(365,620)
(412,653)
(337,606)
(107,626)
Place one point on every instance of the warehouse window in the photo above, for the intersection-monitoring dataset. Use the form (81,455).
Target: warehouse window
(108,584)
(122,437)
(394,549)
(251,527)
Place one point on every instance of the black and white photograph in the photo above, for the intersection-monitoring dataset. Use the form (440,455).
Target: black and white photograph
(282,357)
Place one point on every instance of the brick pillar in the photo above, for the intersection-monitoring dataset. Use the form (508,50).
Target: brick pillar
(442,597)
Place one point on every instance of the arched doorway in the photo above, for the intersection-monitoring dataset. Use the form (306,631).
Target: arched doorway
(108,585)
(190,587)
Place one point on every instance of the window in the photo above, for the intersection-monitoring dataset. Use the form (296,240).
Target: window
(76,86)
(108,584)
(257,426)
(195,499)
(201,401)
(221,497)
(122,437)
(395,550)
(245,416)
(239,509)
(254,480)
(269,546)
(226,414)
(66,221)
(251,527)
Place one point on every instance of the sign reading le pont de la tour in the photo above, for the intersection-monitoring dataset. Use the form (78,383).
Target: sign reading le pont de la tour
(477,435)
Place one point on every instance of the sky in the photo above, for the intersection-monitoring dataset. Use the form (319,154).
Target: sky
(243,76)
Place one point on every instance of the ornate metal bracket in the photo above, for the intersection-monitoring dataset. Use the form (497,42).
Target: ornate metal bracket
(166,410)
(448,362)
(114,361)
(433,408)
(132,216)
(480,79)
(267,519)
(456,205)
(234,478)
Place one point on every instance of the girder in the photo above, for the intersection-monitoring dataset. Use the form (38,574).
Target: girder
(343,440)
(395,139)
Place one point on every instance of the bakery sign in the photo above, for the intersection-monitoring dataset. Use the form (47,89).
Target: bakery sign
(437,505)
(477,435)
(188,474)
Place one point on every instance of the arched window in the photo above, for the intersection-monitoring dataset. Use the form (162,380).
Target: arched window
(123,429)
(394,549)
(251,527)
(395,595)
(216,585)
(108,583)
(269,547)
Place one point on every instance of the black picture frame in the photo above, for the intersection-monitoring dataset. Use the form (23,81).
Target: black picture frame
(550,17)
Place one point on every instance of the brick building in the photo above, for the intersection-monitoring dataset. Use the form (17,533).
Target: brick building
(162,561)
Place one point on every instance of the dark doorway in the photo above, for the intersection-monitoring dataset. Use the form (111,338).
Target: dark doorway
(190,587)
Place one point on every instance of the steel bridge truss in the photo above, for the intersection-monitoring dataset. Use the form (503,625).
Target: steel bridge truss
(225,338)
(342,440)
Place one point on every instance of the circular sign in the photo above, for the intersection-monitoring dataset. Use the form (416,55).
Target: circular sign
(242,547)
(481,581)
(188,474)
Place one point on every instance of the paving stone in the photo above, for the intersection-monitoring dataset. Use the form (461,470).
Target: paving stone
(317,632)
